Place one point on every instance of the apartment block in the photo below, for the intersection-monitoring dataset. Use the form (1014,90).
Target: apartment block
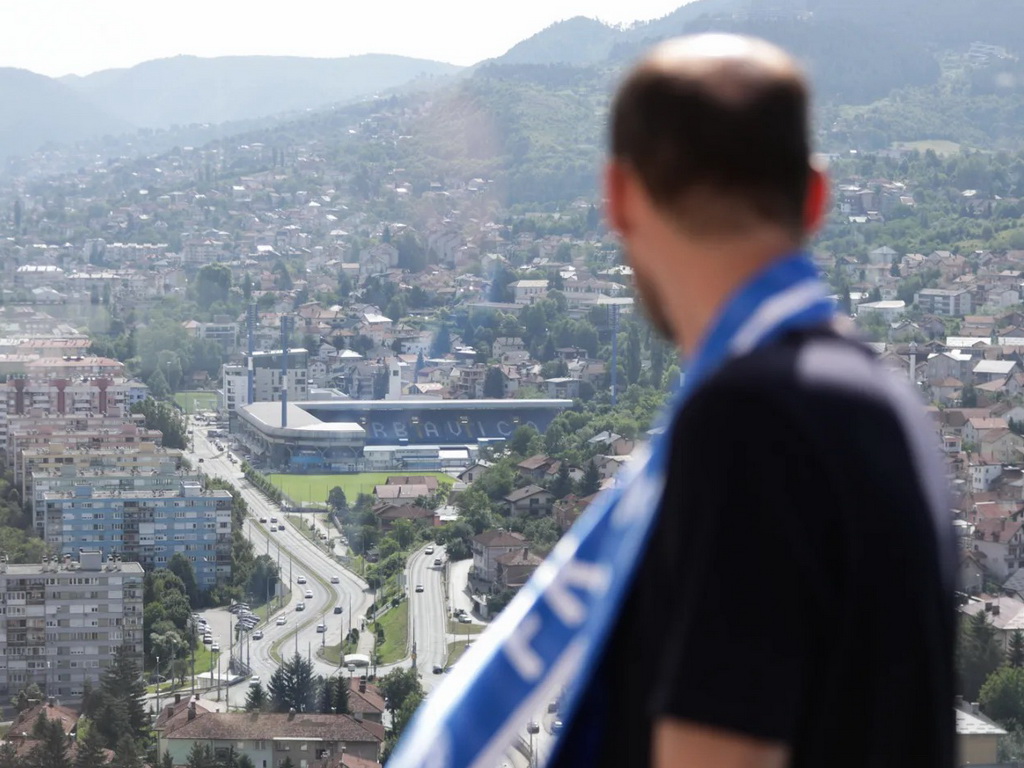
(268,382)
(48,459)
(80,397)
(166,477)
(73,432)
(941,301)
(145,526)
(62,620)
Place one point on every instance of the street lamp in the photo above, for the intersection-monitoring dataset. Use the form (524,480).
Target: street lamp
(158,686)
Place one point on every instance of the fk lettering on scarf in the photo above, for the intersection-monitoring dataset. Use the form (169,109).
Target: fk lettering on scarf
(550,637)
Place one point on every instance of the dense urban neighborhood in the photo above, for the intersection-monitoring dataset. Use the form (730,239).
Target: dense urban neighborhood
(288,417)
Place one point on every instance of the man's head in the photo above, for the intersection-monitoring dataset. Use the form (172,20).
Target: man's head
(709,153)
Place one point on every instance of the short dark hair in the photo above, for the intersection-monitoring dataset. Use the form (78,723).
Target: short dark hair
(717,149)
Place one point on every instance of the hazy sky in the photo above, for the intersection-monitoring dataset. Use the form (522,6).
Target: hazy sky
(57,37)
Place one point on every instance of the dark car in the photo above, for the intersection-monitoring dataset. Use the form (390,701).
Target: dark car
(337,609)
(438,669)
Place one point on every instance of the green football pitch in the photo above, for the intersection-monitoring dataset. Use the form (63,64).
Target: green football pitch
(193,402)
(313,489)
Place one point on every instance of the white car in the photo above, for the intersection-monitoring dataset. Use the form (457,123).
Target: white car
(419,587)
(321,627)
(254,680)
(281,621)
(215,647)
(309,594)
(335,580)
(300,606)
(257,635)
(301,579)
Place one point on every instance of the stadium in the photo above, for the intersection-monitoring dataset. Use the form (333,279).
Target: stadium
(384,435)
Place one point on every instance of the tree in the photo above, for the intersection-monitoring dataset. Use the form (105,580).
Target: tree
(126,754)
(90,747)
(158,385)
(978,654)
(292,686)
(969,396)
(182,567)
(633,365)
(442,342)
(494,383)
(336,499)
(213,283)
(1016,655)
(562,485)
(201,756)
(256,698)
(590,483)
(121,710)
(521,439)
(333,696)
(9,756)
(397,686)
(51,751)
(1002,696)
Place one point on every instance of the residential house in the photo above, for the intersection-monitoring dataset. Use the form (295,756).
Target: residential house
(271,739)
(389,512)
(489,546)
(532,500)
(515,568)
(528,291)
(1000,445)
(1004,612)
(994,370)
(472,472)
(535,467)
(971,577)
(1002,541)
(563,388)
(401,494)
(977,736)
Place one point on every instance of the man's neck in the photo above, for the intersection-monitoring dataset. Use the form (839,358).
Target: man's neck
(713,272)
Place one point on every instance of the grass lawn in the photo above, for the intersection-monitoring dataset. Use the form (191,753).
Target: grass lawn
(330,654)
(457,628)
(193,402)
(313,489)
(455,651)
(264,611)
(395,624)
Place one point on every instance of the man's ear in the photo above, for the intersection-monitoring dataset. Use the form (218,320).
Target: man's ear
(616,192)
(816,202)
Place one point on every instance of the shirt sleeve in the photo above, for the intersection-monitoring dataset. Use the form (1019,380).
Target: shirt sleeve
(738,636)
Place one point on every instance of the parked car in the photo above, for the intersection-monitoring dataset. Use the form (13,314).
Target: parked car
(263,519)
(207,639)
(215,647)
(465,619)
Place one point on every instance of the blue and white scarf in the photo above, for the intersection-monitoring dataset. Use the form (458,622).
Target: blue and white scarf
(551,636)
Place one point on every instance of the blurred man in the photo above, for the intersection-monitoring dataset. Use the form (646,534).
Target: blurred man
(773,585)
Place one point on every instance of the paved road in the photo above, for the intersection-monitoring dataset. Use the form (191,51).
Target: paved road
(296,555)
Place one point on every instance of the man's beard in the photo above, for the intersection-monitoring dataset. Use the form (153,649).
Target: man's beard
(652,306)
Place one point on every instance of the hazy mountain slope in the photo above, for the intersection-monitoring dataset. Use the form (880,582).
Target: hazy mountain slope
(187,89)
(578,41)
(38,110)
